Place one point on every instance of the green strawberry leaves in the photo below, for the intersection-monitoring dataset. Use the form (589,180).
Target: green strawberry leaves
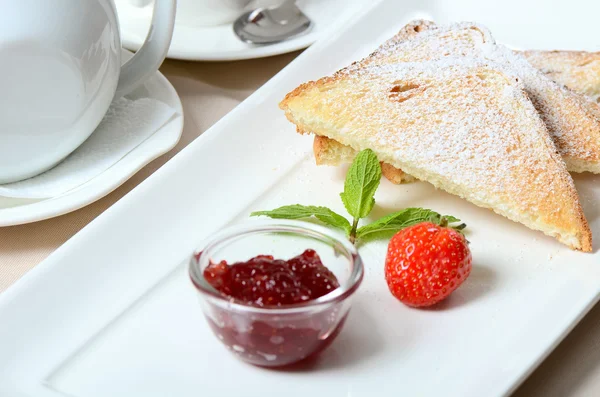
(391,224)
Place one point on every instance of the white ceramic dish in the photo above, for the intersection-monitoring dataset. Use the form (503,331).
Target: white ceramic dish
(219,43)
(112,311)
(19,211)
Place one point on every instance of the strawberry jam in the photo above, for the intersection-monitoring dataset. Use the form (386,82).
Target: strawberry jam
(275,338)
(265,281)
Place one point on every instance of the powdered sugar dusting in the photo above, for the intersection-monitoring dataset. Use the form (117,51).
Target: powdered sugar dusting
(460,123)
(577,70)
(568,122)
(452,107)
(574,129)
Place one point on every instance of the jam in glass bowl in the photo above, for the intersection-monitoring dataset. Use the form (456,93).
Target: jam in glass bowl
(276,293)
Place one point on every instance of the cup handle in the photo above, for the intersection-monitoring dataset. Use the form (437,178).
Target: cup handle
(152,53)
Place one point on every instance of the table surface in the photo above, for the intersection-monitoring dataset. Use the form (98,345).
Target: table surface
(208,91)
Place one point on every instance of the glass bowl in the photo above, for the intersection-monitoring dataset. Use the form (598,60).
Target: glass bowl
(277,336)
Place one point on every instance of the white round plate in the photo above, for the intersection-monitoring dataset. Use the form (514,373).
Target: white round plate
(219,43)
(19,211)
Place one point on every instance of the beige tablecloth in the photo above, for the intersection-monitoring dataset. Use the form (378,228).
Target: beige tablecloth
(208,92)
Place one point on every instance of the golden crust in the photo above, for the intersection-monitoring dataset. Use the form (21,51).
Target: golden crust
(395,175)
(321,149)
(330,152)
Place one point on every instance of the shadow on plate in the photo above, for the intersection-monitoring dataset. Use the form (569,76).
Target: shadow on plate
(588,187)
(357,344)
(481,281)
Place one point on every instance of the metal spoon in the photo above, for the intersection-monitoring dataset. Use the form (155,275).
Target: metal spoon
(273,24)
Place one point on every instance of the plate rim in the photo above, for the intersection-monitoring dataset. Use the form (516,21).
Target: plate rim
(85,194)
(184,52)
(512,383)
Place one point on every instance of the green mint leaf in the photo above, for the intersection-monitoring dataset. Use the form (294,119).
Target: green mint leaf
(298,211)
(388,225)
(362,181)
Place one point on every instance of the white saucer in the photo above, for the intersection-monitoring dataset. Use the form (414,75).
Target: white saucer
(219,43)
(15,211)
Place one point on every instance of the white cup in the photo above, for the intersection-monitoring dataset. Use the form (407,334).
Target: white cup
(210,12)
(60,70)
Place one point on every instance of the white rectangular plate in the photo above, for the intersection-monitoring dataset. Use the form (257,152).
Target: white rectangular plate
(112,313)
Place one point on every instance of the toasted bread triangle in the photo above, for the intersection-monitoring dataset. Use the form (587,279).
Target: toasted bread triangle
(572,120)
(576,70)
(572,125)
(467,128)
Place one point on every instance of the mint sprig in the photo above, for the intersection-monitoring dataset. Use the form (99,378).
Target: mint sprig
(362,181)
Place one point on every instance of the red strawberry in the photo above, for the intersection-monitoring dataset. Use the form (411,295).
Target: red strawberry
(425,263)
